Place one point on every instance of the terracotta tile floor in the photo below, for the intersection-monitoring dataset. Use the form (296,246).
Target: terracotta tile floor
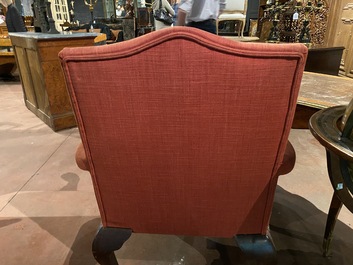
(48,213)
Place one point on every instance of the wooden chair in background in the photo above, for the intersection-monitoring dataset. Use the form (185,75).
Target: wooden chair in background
(235,11)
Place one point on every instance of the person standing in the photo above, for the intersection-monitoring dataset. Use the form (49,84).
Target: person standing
(14,21)
(200,14)
(165,5)
(175,7)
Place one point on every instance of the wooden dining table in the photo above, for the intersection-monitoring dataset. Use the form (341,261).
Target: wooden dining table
(319,91)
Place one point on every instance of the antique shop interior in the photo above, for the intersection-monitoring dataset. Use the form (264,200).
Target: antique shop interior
(53,212)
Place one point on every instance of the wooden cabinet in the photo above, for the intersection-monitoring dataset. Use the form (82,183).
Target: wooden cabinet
(324,60)
(340,32)
(41,75)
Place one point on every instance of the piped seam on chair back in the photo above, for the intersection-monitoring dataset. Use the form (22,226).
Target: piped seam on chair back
(111,52)
(286,129)
(81,127)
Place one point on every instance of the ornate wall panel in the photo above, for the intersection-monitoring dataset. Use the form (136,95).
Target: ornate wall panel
(347,14)
(340,32)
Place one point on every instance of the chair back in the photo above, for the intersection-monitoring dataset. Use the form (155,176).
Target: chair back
(184,130)
(236,5)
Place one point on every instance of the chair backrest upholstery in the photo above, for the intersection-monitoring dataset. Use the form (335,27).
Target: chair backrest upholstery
(236,5)
(184,130)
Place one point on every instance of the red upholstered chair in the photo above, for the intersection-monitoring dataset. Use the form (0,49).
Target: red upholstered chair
(185,133)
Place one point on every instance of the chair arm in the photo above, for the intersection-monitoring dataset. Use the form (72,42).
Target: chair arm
(81,158)
(324,125)
(288,161)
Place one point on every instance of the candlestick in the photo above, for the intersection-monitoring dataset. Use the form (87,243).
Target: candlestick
(91,5)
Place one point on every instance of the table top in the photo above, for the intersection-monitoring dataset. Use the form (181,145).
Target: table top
(63,35)
(242,39)
(323,91)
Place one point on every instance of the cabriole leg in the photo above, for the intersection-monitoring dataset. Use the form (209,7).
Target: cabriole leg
(106,241)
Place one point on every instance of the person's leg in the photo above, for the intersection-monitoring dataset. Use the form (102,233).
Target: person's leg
(208,25)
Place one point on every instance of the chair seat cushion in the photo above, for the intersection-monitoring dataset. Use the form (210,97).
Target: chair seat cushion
(226,16)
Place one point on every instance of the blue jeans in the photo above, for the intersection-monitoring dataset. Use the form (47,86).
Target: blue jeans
(206,25)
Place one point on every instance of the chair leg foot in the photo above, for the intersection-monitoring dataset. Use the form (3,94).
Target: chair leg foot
(106,241)
(335,208)
(258,248)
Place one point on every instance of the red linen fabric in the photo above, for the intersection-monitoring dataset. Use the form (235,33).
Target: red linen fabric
(184,131)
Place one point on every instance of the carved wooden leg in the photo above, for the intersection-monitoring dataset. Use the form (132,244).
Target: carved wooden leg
(106,241)
(335,209)
(258,248)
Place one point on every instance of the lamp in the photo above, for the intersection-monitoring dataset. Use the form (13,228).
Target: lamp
(274,11)
(91,5)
